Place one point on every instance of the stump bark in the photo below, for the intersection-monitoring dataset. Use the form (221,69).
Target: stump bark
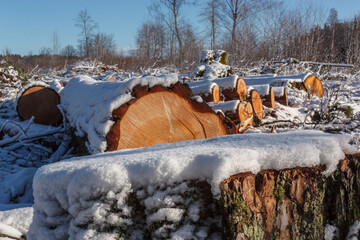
(291,203)
(162,115)
(40,102)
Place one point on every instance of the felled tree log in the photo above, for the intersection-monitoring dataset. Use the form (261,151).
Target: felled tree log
(232,88)
(266,92)
(139,112)
(256,104)
(209,91)
(292,203)
(281,95)
(40,102)
(162,115)
(307,82)
(240,113)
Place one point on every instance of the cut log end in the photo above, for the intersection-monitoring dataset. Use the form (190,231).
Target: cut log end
(215,91)
(257,105)
(40,102)
(269,100)
(245,113)
(162,116)
(314,86)
(241,89)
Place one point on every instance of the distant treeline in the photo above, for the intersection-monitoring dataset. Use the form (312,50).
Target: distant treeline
(250,30)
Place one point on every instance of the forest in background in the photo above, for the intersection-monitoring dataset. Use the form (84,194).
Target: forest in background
(249,30)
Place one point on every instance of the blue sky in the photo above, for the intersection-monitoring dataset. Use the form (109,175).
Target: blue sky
(29,25)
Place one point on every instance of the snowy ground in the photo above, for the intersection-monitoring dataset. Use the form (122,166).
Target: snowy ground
(338,112)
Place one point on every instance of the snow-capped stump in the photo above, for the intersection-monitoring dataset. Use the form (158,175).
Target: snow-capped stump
(208,91)
(314,85)
(256,104)
(40,101)
(213,64)
(137,113)
(281,95)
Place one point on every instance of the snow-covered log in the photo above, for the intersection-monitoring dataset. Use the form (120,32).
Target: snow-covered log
(174,190)
(232,88)
(238,112)
(136,113)
(281,95)
(208,91)
(266,92)
(308,82)
(40,101)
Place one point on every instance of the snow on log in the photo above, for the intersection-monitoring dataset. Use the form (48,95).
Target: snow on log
(209,91)
(266,92)
(140,192)
(281,95)
(136,113)
(40,101)
(314,86)
(232,88)
(257,105)
(302,81)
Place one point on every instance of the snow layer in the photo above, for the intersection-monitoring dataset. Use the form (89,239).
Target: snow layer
(354,231)
(263,89)
(9,231)
(82,191)
(229,106)
(201,87)
(88,104)
(19,218)
(277,81)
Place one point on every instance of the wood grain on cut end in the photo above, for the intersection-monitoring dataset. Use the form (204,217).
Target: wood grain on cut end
(215,91)
(241,89)
(163,117)
(245,112)
(314,85)
(257,105)
(269,100)
(40,102)
(283,99)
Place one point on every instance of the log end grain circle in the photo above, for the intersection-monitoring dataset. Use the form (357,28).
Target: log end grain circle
(40,102)
(245,112)
(162,115)
(241,89)
(257,105)
(314,85)
(215,93)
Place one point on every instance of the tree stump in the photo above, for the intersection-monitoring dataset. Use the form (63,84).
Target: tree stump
(162,115)
(40,102)
(232,88)
(256,104)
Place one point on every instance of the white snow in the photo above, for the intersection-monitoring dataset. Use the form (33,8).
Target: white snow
(19,218)
(69,194)
(330,232)
(278,91)
(9,231)
(88,104)
(201,87)
(263,89)
(354,231)
(228,106)
(276,81)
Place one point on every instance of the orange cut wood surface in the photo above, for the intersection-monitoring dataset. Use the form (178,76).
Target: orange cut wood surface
(241,89)
(257,105)
(162,117)
(40,102)
(215,91)
(314,86)
(245,113)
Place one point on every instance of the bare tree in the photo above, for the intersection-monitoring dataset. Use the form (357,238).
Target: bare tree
(87,25)
(211,15)
(68,51)
(103,46)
